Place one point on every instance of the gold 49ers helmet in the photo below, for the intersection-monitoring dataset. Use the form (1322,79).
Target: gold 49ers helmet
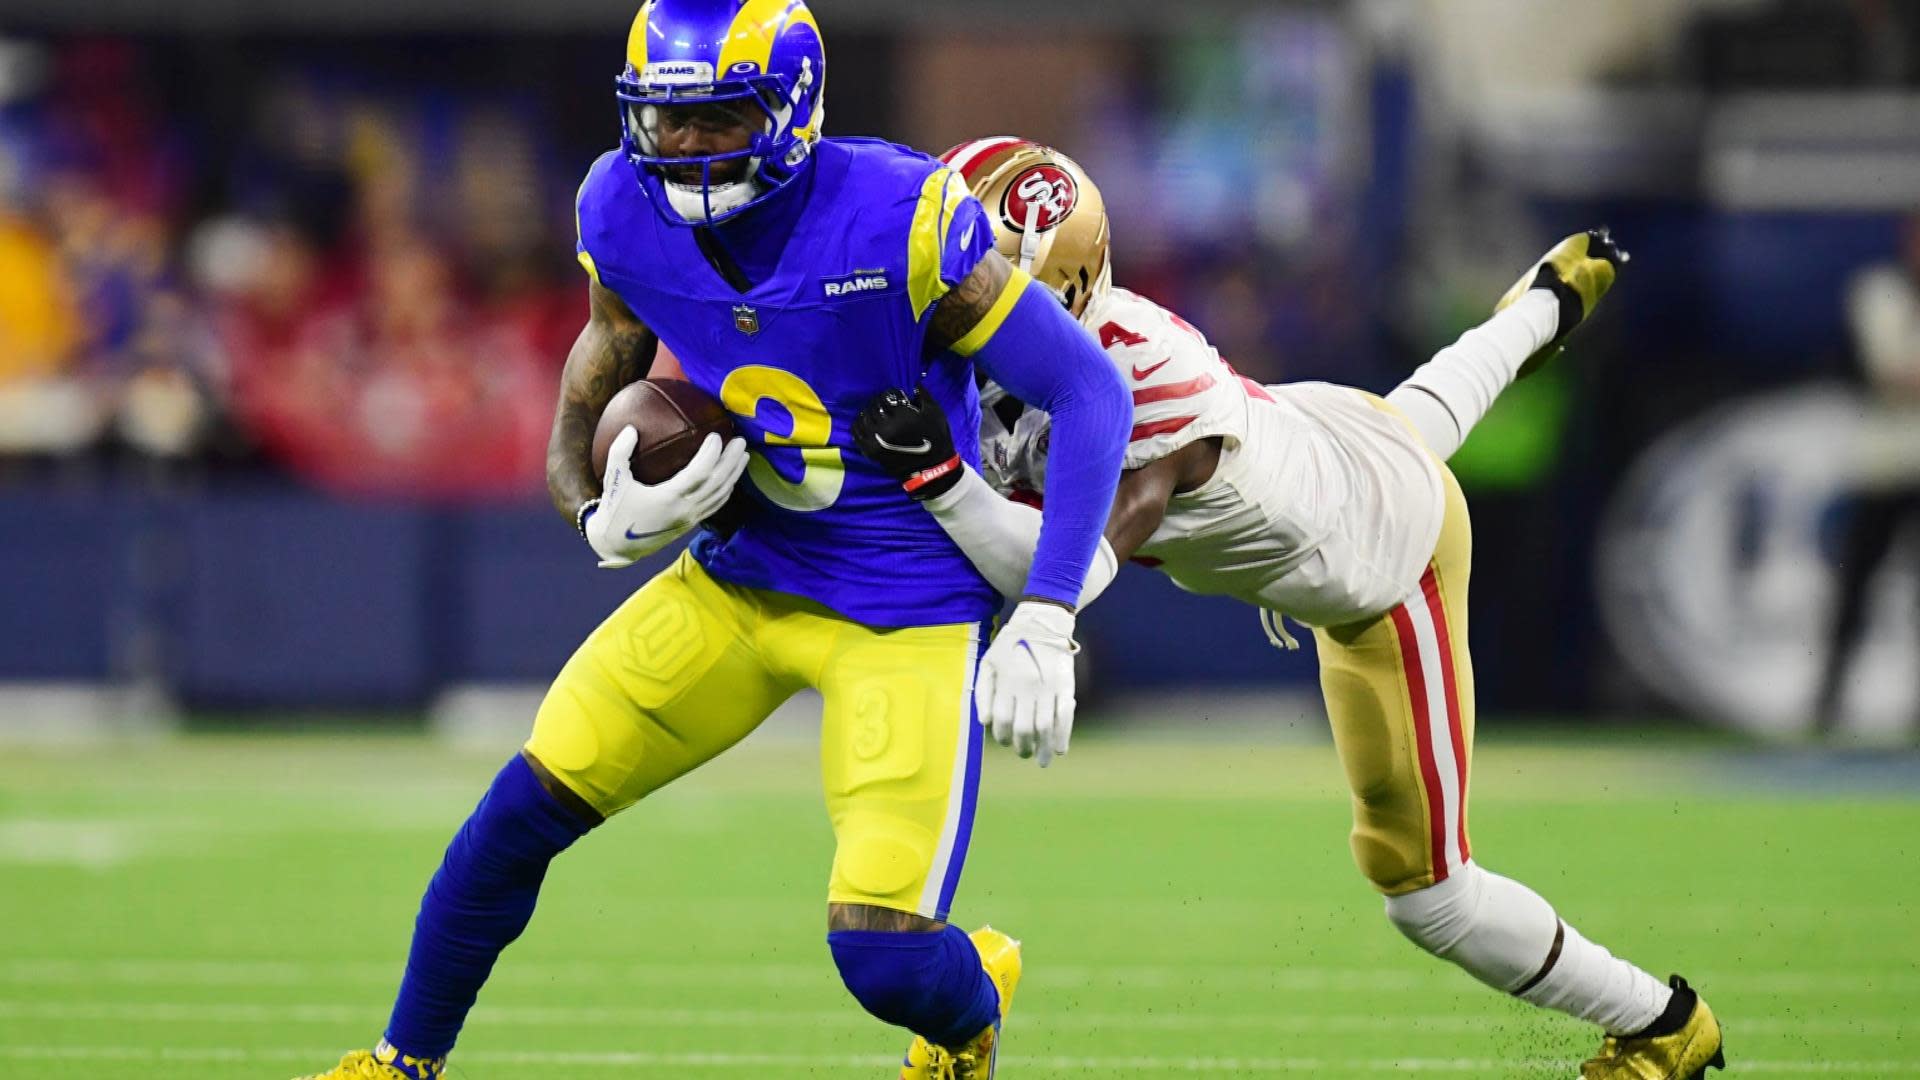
(1048,218)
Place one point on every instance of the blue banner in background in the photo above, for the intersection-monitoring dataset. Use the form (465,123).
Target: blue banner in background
(66,584)
(258,599)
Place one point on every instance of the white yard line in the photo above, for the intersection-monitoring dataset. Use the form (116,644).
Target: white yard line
(1318,1066)
(538,1016)
(693,975)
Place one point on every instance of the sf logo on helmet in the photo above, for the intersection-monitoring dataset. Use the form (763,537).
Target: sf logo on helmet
(1039,198)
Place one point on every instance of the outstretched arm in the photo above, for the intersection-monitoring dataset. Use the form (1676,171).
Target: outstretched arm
(614,348)
(1141,503)
(999,535)
(1018,333)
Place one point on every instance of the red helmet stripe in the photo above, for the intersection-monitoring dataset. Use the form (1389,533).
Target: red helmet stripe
(968,149)
(967,158)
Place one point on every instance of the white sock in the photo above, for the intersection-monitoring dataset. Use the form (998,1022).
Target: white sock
(1446,396)
(1502,933)
(1591,983)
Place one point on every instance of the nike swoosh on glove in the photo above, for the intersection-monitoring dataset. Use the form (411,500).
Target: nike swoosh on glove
(910,439)
(1024,692)
(635,520)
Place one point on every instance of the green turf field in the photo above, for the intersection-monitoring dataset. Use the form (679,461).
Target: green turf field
(239,907)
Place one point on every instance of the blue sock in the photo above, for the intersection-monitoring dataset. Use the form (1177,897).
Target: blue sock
(929,983)
(478,902)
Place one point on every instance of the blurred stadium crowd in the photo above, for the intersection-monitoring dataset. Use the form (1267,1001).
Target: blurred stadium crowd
(341,252)
(363,287)
(349,257)
(337,262)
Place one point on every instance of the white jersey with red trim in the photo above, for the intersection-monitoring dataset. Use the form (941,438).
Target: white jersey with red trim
(1325,505)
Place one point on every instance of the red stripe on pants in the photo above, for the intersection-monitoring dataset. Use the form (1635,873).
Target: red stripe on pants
(1423,739)
(1456,723)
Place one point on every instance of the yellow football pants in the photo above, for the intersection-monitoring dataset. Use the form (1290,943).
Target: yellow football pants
(689,665)
(1399,693)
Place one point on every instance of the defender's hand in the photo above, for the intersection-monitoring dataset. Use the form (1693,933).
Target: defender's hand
(633,520)
(909,438)
(1024,691)
(1578,272)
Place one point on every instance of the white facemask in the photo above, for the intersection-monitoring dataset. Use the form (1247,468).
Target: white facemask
(687,200)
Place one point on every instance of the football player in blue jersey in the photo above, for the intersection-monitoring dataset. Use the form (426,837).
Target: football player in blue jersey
(796,278)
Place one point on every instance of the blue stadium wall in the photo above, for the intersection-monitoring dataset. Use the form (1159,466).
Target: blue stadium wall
(275,599)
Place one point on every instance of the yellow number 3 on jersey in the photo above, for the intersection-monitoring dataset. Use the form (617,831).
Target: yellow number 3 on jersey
(822,472)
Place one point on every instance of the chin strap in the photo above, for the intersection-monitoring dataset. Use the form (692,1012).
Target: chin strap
(1029,238)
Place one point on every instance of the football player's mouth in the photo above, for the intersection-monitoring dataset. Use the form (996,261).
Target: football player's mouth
(694,176)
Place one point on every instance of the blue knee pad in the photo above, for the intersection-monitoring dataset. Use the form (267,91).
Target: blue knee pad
(930,983)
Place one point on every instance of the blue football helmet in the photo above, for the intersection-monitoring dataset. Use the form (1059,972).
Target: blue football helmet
(763,57)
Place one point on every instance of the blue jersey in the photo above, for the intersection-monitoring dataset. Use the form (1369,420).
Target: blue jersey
(883,233)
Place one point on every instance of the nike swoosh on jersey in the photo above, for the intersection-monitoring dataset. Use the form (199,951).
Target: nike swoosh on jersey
(1143,372)
(966,237)
(920,447)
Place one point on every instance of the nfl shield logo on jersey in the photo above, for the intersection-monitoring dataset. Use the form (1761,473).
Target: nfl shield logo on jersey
(745,319)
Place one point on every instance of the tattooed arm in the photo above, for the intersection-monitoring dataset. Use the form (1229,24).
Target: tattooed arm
(614,349)
(968,302)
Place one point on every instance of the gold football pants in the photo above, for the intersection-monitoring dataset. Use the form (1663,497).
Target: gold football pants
(689,665)
(1399,693)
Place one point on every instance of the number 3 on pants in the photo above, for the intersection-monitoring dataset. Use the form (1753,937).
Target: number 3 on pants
(822,472)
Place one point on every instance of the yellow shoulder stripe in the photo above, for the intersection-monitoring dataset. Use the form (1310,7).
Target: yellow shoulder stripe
(586,260)
(989,324)
(940,199)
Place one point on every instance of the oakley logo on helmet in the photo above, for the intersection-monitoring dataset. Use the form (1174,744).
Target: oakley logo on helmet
(1040,198)
(678,73)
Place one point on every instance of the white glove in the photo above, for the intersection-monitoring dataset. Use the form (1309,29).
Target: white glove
(1025,688)
(634,520)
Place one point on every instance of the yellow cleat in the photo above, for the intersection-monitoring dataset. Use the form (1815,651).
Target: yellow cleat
(1000,956)
(378,1065)
(1685,1054)
(1579,271)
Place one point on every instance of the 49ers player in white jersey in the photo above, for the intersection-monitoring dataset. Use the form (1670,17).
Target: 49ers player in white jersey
(1336,509)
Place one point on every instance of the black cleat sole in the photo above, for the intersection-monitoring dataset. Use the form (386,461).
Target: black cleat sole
(1717,1061)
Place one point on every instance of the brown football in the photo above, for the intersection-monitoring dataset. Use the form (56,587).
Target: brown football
(672,416)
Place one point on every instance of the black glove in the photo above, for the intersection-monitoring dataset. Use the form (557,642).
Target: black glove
(909,438)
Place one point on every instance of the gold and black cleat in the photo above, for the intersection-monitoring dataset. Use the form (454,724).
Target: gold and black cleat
(1681,1045)
(1578,271)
